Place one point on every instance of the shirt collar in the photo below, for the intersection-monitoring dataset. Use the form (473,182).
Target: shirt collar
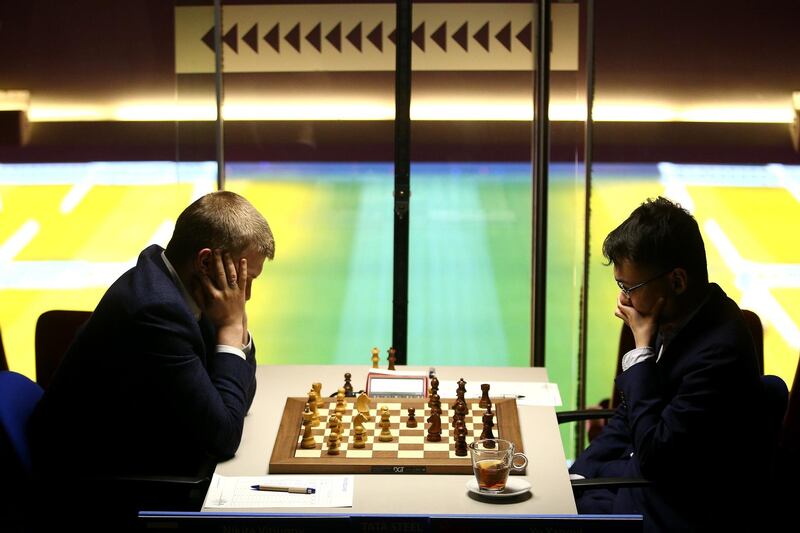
(193,307)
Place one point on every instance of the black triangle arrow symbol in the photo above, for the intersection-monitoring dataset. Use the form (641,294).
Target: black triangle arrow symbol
(293,37)
(440,36)
(418,37)
(355,36)
(208,38)
(315,37)
(376,36)
(460,36)
(231,38)
(273,37)
(251,38)
(504,36)
(335,37)
(482,36)
(393,37)
(524,36)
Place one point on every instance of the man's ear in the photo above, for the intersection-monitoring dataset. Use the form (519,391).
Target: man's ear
(680,280)
(202,261)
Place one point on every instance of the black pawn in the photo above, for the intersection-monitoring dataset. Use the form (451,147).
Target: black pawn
(460,410)
(462,388)
(392,358)
(411,422)
(461,439)
(348,387)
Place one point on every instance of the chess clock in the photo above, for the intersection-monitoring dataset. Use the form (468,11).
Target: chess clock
(396,384)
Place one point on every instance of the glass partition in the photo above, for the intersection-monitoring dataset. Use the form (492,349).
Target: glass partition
(746,216)
(94,174)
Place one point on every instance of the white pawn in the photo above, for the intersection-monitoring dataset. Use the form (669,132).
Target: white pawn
(312,403)
(333,422)
(358,441)
(386,435)
(340,407)
(333,444)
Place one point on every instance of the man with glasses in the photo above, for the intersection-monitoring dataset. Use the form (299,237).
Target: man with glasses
(686,388)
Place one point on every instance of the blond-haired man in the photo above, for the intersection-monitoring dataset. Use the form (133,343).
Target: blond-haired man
(161,376)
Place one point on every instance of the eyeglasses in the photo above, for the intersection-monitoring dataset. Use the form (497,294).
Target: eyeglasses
(628,291)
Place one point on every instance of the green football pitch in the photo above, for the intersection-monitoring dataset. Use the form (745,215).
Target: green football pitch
(67,231)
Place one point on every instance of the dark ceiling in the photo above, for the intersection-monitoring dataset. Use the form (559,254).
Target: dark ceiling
(674,52)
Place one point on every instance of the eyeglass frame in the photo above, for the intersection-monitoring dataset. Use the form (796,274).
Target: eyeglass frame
(628,291)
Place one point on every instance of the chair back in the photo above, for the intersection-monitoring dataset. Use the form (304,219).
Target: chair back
(55,331)
(626,344)
(3,361)
(757,332)
(18,397)
(789,445)
(776,400)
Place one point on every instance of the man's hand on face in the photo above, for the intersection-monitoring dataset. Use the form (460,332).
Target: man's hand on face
(223,289)
(643,325)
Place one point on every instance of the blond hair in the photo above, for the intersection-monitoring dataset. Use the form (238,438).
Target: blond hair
(221,219)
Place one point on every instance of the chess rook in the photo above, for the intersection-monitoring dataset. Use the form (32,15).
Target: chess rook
(485,401)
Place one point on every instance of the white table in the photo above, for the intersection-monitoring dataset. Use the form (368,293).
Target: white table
(398,494)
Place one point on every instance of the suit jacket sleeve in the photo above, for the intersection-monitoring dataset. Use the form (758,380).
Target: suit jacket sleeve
(608,452)
(209,401)
(686,434)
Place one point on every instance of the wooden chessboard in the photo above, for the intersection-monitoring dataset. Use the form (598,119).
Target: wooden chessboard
(408,453)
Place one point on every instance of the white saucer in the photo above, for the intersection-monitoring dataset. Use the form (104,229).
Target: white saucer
(514,487)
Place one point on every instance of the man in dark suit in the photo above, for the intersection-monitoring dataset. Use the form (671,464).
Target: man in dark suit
(160,378)
(690,391)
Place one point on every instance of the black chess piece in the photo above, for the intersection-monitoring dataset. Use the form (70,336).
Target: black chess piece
(461,439)
(460,411)
(348,387)
(435,428)
(462,388)
(411,422)
(392,358)
(488,424)
(433,393)
(485,401)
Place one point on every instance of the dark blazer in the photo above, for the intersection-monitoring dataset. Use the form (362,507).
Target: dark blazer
(141,389)
(691,423)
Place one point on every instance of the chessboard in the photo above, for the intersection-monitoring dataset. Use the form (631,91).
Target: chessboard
(408,452)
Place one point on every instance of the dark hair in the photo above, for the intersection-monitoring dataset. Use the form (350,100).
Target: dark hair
(224,220)
(662,235)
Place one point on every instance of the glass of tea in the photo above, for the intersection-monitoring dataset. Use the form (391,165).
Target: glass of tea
(492,461)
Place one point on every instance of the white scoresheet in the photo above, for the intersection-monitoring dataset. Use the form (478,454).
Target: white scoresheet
(227,492)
